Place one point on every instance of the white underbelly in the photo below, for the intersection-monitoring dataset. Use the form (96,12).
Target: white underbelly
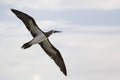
(38,39)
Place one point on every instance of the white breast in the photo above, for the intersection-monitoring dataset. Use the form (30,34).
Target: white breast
(38,39)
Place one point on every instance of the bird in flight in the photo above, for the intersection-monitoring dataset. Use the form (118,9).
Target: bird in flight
(41,38)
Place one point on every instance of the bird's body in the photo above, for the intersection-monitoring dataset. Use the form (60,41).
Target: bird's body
(35,40)
(41,38)
(38,39)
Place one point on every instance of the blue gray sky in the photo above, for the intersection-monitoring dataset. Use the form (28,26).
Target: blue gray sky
(89,42)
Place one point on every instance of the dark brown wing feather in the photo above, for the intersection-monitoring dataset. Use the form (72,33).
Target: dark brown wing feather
(28,21)
(54,54)
(46,45)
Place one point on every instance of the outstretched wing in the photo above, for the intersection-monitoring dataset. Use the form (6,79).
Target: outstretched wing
(54,54)
(29,22)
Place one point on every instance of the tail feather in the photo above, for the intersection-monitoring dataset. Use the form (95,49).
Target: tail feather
(26,45)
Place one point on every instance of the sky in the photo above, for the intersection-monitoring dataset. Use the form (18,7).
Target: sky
(89,42)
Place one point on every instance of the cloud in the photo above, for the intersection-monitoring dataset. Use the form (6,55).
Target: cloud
(42,4)
(93,4)
(64,4)
(90,52)
(95,52)
(37,77)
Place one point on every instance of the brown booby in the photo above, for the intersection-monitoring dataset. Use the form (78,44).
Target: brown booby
(41,38)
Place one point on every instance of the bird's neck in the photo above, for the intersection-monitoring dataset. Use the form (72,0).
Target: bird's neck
(48,33)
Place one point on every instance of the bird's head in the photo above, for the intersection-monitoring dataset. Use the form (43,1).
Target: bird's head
(51,32)
(56,31)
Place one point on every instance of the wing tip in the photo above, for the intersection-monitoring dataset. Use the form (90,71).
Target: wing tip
(13,10)
(64,70)
(65,73)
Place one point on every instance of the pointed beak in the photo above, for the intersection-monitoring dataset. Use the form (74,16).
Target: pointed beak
(57,31)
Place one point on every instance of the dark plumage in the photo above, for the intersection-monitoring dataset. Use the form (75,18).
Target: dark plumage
(41,38)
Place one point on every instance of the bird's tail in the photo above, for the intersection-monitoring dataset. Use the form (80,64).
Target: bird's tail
(26,45)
